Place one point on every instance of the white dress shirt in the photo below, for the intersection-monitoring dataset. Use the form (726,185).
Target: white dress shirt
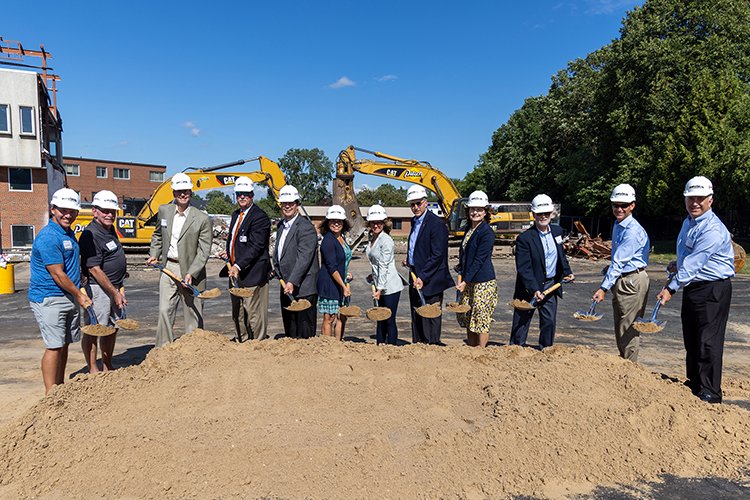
(177,223)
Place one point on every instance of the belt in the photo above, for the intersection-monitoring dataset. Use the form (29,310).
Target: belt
(173,260)
(633,272)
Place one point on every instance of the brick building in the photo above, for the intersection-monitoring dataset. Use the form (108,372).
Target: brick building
(133,183)
(30,156)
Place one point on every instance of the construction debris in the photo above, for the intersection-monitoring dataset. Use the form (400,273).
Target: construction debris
(583,245)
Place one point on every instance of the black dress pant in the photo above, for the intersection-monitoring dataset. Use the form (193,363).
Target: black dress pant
(424,330)
(547,321)
(300,324)
(705,310)
(387,331)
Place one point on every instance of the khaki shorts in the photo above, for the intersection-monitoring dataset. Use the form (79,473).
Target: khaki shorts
(104,307)
(59,321)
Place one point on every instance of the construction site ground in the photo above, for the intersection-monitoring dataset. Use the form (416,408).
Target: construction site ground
(589,423)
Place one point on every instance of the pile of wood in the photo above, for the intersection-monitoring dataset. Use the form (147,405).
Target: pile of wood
(583,245)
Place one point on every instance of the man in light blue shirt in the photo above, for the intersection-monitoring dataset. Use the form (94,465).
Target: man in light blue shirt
(626,276)
(705,264)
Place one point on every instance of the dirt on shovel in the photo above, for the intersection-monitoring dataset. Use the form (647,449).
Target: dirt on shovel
(299,305)
(98,330)
(350,311)
(127,324)
(586,317)
(245,293)
(649,326)
(378,313)
(210,294)
(430,311)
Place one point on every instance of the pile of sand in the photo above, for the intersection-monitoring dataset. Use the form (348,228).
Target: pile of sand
(207,418)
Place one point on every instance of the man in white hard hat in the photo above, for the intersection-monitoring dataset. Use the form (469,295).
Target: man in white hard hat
(181,243)
(626,276)
(540,263)
(104,267)
(54,287)
(705,264)
(427,259)
(295,258)
(249,264)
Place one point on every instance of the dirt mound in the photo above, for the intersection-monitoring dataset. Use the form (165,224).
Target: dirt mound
(204,417)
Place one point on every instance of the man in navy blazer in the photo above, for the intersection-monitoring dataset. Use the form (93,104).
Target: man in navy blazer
(247,251)
(427,258)
(540,263)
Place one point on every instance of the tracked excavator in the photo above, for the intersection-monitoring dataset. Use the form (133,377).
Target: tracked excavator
(508,220)
(136,230)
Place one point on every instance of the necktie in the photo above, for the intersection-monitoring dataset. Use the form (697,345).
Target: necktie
(234,238)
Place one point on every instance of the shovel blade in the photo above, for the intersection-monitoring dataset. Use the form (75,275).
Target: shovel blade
(521,305)
(648,326)
(585,316)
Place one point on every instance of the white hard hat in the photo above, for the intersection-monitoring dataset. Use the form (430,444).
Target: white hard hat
(623,193)
(243,185)
(698,186)
(336,212)
(106,200)
(478,199)
(181,181)
(542,204)
(376,213)
(66,198)
(415,192)
(289,194)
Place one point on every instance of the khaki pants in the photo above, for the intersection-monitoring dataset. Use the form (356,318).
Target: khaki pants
(250,314)
(629,296)
(170,295)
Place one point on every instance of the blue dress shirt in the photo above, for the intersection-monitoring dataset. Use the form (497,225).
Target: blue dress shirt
(417,221)
(704,251)
(550,252)
(630,246)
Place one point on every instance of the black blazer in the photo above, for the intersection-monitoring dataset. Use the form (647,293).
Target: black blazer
(531,267)
(251,246)
(431,255)
(475,261)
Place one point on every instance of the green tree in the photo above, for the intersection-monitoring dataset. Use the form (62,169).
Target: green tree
(387,195)
(219,203)
(310,171)
(269,206)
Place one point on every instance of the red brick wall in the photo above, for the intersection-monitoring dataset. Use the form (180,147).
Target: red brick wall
(139,185)
(23,207)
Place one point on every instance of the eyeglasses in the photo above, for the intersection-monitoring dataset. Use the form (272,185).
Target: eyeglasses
(335,221)
(415,204)
(544,215)
(621,206)
(476,209)
(183,192)
(243,195)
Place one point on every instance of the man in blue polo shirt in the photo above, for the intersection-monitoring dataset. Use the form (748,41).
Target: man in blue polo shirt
(705,264)
(54,287)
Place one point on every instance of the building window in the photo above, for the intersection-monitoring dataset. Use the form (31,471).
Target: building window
(19,179)
(121,173)
(4,119)
(156,176)
(101,172)
(73,170)
(21,236)
(396,223)
(27,120)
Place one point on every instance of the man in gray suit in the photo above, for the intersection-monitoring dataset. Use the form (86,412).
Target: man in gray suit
(295,258)
(182,244)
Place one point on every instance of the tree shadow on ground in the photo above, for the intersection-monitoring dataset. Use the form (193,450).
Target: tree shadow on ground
(673,488)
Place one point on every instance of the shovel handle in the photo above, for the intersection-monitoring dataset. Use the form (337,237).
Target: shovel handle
(551,289)
(419,290)
(458,292)
(592,308)
(374,300)
(283,284)
(657,306)
(123,315)
(90,309)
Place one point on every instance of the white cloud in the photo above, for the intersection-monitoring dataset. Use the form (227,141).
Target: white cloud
(387,78)
(359,188)
(342,82)
(596,7)
(194,131)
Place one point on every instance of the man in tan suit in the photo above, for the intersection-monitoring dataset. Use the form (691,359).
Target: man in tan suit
(182,244)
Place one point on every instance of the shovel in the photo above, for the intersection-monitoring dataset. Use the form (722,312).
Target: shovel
(457,307)
(94,328)
(377,313)
(235,289)
(522,305)
(296,305)
(348,309)
(208,294)
(652,325)
(124,322)
(426,310)
(589,315)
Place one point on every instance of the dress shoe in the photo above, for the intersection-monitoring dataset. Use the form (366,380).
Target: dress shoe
(708,397)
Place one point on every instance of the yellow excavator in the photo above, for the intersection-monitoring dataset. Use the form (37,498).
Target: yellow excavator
(507,220)
(136,230)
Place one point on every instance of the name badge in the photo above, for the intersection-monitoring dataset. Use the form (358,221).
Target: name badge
(164,223)
(243,239)
(558,240)
(67,244)
(111,245)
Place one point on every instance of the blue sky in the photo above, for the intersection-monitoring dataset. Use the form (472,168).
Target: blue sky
(201,83)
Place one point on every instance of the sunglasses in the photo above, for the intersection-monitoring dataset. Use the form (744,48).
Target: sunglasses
(243,195)
(621,206)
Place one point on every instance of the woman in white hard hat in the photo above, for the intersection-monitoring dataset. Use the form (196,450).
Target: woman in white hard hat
(479,287)
(335,256)
(385,278)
